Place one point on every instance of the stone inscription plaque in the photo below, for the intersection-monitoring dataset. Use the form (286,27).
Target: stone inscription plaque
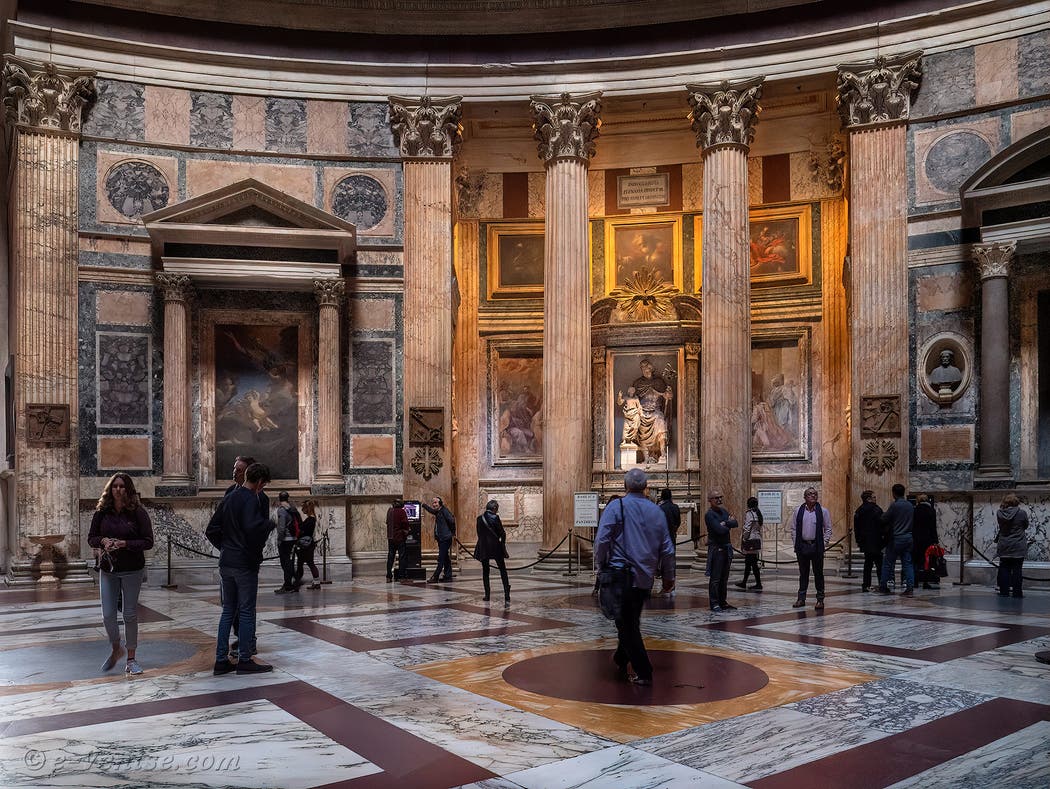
(638,191)
(944,444)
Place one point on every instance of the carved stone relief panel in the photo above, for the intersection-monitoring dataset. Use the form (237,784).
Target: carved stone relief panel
(880,415)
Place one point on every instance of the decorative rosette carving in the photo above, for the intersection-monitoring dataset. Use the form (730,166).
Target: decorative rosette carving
(725,113)
(566,126)
(39,95)
(427,127)
(878,91)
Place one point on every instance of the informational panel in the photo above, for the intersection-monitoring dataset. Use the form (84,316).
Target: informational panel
(585,510)
(771,505)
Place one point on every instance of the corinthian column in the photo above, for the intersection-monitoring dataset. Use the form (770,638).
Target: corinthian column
(993,264)
(43,104)
(177,291)
(566,127)
(329,294)
(874,102)
(429,134)
(723,117)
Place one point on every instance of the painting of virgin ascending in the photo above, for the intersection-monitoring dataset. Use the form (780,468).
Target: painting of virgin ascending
(257,397)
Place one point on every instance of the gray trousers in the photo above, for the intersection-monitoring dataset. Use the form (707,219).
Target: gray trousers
(113,586)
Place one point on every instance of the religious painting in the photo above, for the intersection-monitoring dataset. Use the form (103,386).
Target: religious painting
(780,243)
(780,395)
(645,392)
(257,396)
(643,251)
(515,260)
(516,376)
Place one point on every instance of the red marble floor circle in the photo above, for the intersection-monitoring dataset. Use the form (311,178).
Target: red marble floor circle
(678,678)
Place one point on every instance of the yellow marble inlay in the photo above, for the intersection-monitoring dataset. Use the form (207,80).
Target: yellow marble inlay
(789,681)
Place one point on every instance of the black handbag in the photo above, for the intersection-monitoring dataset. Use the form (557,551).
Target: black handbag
(942,567)
(752,545)
(614,583)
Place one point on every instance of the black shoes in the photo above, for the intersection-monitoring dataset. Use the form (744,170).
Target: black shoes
(716,609)
(223,667)
(819,606)
(741,584)
(727,607)
(486,598)
(800,603)
(643,681)
(756,588)
(433,579)
(251,667)
(284,589)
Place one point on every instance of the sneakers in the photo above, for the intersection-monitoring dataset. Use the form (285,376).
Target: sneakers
(223,667)
(132,667)
(800,603)
(114,656)
(315,585)
(907,593)
(251,667)
(716,609)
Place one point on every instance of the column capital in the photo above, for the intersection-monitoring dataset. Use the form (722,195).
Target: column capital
(177,287)
(427,127)
(329,292)
(724,113)
(993,260)
(566,126)
(878,91)
(42,96)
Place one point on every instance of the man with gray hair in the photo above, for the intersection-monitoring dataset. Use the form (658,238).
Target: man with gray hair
(633,534)
(811,534)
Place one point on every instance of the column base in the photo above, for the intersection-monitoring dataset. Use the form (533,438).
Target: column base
(47,575)
(328,485)
(992,477)
(176,486)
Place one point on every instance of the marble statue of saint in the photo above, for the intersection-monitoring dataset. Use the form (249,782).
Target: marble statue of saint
(632,415)
(655,396)
(946,378)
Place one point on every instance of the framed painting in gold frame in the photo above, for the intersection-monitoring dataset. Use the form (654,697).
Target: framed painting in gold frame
(636,244)
(780,244)
(515,260)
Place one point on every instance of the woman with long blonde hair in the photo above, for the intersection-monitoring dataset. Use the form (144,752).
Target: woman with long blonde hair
(307,544)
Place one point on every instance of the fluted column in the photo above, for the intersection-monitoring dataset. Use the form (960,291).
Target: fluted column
(177,291)
(469,396)
(993,264)
(329,294)
(723,117)
(565,127)
(874,101)
(429,134)
(43,105)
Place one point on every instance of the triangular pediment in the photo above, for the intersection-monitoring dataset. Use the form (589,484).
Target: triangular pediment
(247,203)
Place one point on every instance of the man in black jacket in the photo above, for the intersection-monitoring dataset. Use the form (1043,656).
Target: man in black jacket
(239,529)
(719,522)
(897,522)
(867,531)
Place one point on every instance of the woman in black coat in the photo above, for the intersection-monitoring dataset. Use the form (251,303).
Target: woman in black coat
(924,534)
(492,545)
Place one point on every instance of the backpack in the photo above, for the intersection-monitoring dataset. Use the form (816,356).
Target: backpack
(295,522)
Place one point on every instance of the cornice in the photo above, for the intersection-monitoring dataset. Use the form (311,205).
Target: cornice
(658,72)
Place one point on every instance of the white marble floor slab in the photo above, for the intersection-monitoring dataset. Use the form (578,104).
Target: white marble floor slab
(880,630)
(619,766)
(963,675)
(84,615)
(1019,761)
(403,624)
(210,747)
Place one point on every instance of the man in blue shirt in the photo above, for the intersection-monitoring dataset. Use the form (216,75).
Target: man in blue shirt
(633,533)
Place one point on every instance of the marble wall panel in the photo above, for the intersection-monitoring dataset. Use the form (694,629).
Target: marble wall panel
(805,182)
(945,292)
(211,120)
(953,522)
(537,195)
(131,185)
(368,451)
(754,180)
(946,155)
(118,112)
(1037,505)
(286,124)
(206,175)
(372,315)
(948,83)
(595,193)
(123,375)
(381,263)
(368,130)
(124,308)
(521,508)
(365,196)
(1033,64)
(995,72)
(372,382)
(326,126)
(1027,122)
(692,186)
(249,123)
(124,453)
(167,115)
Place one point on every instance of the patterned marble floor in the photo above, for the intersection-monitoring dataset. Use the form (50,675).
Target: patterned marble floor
(411,685)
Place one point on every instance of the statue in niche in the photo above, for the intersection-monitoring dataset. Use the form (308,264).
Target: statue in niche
(647,412)
(947,377)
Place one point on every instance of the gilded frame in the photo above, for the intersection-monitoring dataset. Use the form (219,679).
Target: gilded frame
(644,240)
(499,261)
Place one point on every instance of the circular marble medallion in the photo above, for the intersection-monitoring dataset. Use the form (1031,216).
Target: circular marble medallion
(360,199)
(136,188)
(678,678)
(954,157)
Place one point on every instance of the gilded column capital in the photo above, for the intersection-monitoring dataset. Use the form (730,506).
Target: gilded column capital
(329,292)
(176,287)
(724,113)
(993,260)
(566,126)
(427,127)
(42,96)
(878,91)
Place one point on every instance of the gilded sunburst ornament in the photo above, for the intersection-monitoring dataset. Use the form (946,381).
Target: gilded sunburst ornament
(645,296)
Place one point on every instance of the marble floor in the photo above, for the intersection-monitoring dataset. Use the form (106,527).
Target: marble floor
(412,685)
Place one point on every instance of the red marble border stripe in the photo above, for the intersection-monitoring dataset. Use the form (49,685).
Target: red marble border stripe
(900,756)
(406,760)
(964,647)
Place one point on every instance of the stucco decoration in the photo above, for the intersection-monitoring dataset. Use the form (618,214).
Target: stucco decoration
(878,91)
(427,127)
(725,113)
(39,95)
(566,126)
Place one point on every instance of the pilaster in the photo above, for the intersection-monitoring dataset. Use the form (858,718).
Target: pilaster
(177,292)
(469,396)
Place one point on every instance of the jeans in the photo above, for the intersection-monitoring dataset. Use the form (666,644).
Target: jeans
(717,586)
(111,587)
(240,588)
(502,576)
(902,548)
(398,549)
(816,562)
(1009,578)
(630,647)
(444,566)
(872,561)
(284,552)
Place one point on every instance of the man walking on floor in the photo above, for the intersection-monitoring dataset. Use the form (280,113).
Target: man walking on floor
(633,534)
(898,525)
(811,534)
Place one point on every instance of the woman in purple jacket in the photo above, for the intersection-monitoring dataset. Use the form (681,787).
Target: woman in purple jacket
(121,532)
